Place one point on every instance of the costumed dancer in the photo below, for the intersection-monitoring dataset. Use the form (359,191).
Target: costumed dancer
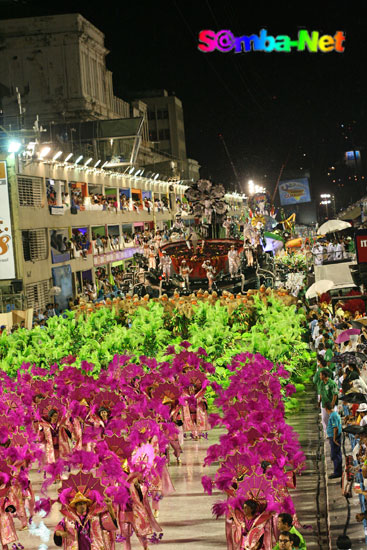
(54,434)
(8,533)
(152,260)
(160,485)
(169,395)
(249,254)
(20,492)
(256,527)
(185,273)
(227,226)
(137,516)
(210,272)
(146,248)
(158,240)
(86,525)
(233,261)
(165,263)
(195,410)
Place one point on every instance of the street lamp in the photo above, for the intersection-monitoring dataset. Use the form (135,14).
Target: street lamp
(326,200)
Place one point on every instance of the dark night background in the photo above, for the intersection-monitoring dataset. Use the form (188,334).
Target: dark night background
(271,108)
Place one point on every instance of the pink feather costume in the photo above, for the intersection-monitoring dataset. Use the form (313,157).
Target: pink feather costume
(102,529)
(8,533)
(138,516)
(195,419)
(55,439)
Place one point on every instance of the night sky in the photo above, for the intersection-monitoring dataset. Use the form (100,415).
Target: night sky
(271,108)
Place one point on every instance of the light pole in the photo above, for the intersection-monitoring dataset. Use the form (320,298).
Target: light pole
(326,201)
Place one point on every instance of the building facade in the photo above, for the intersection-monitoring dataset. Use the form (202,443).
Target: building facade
(53,70)
(53,201)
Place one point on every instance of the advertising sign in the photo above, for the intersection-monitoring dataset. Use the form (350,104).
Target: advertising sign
(7,265)
(361,246)
(294,191)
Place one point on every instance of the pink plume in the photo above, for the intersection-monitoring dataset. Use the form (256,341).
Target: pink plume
(44,504)
(219,509)
(64,496)
(207,484)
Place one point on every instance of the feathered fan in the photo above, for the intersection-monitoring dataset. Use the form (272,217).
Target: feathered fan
(84,483)
(119,446)
(256,486)
(107,399)
(195,377)
(167,393)
(47,404)
(131,371)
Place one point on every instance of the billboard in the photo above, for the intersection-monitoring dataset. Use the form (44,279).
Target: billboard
(361,246)
(7,265)
(294,191)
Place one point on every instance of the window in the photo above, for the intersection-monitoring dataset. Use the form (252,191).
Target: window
(30,191)
(164,134)
(34,245)
(38,294)
(151,115)
(162,114)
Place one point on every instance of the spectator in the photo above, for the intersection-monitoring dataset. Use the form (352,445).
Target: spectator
(333,432)
(284,541)
(329,394)
(285,525)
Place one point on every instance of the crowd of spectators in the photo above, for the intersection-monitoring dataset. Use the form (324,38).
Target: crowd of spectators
(341,382)
(333,250)
(75,200)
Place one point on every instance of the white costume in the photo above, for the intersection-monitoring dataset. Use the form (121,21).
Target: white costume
(152,262)
(146,250)
(318,254)
(165,263)
(210,272)
(330,252)
(249,255)
(233,262)
(227,227)
(338,251)
(185,274)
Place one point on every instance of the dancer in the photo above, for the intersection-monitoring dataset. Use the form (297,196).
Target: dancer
(185,273)
(210,272)
(137,517)
(86,525)
(195,412)
(54,434)
(165,263)
(227,226)
(152,260)
(249,253)
(233,261)
(8,533)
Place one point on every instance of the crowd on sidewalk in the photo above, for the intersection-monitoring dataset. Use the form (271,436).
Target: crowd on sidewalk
(340,341)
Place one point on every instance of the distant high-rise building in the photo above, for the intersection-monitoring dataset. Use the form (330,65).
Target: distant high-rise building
(167,128)
(166,122)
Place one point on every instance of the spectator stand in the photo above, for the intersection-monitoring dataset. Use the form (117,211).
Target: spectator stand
(358,476)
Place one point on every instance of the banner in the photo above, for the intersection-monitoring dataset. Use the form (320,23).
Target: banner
(7,266)
(294,191)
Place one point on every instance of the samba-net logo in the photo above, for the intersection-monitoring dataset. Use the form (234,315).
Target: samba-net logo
(224,41)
